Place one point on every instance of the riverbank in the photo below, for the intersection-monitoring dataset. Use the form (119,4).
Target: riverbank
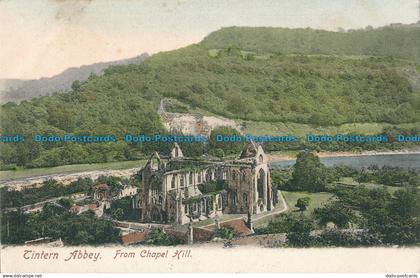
(292,156)
(28,177)
(66,179)
(39,174)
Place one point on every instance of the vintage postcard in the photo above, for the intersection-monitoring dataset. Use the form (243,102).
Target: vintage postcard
(210,136)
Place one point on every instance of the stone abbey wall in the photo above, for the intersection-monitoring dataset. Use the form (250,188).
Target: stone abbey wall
(180,190)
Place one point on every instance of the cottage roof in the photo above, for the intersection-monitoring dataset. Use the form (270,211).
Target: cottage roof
(92,206)
(134,237)
(238,225)
(75,208)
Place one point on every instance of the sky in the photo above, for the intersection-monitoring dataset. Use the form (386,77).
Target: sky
(41,38)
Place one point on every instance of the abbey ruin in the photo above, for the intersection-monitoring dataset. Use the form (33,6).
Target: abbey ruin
(178,189)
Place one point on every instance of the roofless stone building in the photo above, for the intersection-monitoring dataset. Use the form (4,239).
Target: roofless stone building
(178,189)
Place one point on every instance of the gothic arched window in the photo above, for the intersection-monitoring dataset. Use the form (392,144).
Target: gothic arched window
(181,181)
(191,178)
(245,198)
(173,181)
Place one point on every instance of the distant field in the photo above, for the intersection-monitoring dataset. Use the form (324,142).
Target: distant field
(68,169)
(267,128)
(351,181)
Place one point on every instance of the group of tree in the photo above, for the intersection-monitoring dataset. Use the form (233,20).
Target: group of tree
(309,174)
(381,219)
(314,90)
(12,198)
(122,209)
(56,222)
(393,176)
(391,132)
(361,216)
(397,41)
(392,219)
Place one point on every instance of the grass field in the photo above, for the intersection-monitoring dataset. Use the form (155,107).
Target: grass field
(68,169)
(351,181)
(317,200)
(267,128)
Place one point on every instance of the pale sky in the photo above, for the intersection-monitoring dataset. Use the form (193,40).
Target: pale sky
(41,38)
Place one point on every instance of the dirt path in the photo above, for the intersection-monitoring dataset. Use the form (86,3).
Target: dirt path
(282,208)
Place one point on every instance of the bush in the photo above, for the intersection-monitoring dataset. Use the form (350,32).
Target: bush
(303,203)
(158,236)
(226,233)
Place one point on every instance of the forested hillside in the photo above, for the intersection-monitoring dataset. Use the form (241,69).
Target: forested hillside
(17,90)
(399,41)
(242,85)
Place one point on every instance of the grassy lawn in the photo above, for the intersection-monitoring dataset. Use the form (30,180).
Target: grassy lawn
(317,200)
(68,169)
(351,181)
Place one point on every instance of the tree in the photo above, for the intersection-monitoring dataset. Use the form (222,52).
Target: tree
(389,219)
(281,224)
(300,229)
(309,174)
(278,178)
(66,202)
(335,212)
(406,203)
(397,222)
(217,153)
(75,86)
(363,177)
(303,203)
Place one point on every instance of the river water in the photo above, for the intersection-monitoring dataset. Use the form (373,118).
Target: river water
(358,162)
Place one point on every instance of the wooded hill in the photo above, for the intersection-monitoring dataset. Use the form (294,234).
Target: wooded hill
(16,90)
(261,84)
(401,41)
